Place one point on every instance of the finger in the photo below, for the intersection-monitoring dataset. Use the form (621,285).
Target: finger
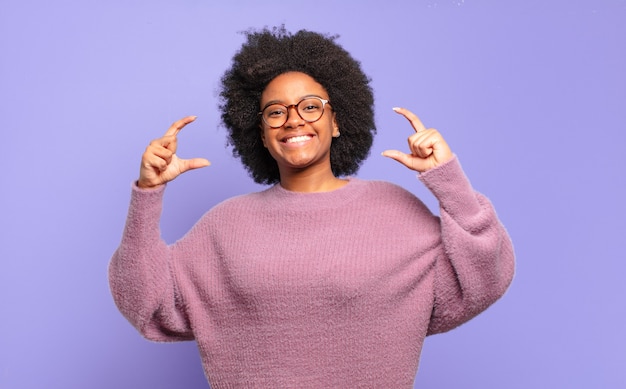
(164,146)
(179,125)
(421,144)
(154,163)
(433,144)
(162,150)
(416,123)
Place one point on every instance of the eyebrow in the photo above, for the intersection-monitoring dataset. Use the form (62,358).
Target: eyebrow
(281,102)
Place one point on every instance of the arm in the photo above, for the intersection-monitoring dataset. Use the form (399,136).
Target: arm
(477,264)
(140,272)
(477,261)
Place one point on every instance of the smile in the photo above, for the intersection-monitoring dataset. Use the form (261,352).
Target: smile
(296,139)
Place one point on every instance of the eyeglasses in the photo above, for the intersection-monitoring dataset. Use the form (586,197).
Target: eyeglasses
(310,109)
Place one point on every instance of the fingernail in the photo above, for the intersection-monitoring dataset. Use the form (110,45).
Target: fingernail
(396,109)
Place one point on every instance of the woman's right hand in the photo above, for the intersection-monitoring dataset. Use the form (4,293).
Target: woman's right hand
(160,164)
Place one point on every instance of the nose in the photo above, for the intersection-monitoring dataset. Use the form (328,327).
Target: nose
(293,116)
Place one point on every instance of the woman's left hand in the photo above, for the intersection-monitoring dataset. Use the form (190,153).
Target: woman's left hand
(428,148)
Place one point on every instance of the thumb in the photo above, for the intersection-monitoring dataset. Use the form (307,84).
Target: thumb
(398,156)
(193,163)
(410,161)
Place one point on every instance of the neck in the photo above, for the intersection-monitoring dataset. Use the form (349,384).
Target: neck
(307,181)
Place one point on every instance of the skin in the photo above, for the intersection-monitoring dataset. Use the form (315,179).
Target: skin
(427,146)
(160,164)
(304,166)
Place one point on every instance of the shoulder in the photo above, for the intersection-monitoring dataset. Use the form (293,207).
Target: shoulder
(383,186)
(230,213)
(240,203)
(385,190)
(387,197)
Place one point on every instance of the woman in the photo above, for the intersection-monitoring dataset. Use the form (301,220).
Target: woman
(322,280)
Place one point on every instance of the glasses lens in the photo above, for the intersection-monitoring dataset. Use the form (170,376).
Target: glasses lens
(311,109)
(275,115)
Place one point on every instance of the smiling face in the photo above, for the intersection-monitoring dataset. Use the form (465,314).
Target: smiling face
(298,145)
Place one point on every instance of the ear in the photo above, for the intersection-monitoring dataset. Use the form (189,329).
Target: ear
(262,133)
(335,126)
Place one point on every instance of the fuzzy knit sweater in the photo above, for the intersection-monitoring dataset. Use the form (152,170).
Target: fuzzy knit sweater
(313,290)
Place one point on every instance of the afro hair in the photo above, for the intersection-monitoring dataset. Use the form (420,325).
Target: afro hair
(269,53)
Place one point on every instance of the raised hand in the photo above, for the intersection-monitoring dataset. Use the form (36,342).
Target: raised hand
(160,164)
(427,146)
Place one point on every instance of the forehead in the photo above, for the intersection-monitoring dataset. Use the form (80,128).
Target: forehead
(291,87)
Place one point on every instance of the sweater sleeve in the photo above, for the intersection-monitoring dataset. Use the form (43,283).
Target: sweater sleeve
(477,264)
(140,273)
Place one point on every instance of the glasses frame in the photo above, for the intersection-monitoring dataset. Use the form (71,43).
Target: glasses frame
(288,108)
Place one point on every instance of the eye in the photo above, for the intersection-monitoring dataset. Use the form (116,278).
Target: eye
(310,105)
(274,111)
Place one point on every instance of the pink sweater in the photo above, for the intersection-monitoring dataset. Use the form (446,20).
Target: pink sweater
(335,289)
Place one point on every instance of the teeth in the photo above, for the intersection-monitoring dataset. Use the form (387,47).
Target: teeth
(295,139)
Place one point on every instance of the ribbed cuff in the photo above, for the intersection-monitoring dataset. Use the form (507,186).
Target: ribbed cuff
(451,187)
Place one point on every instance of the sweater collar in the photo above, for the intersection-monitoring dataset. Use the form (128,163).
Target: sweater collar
(286,199)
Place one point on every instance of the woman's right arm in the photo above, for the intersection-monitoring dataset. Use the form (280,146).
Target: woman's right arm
(140,273)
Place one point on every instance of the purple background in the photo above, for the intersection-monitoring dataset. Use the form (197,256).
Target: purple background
(531,95)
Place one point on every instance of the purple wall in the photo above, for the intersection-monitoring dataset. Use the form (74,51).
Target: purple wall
(531,96)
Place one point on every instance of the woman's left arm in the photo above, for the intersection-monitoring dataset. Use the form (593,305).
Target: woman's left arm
(477,261)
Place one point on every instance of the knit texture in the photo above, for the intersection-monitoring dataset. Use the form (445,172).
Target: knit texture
(333,289)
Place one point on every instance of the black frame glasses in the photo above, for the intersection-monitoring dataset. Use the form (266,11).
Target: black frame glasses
(275,115)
